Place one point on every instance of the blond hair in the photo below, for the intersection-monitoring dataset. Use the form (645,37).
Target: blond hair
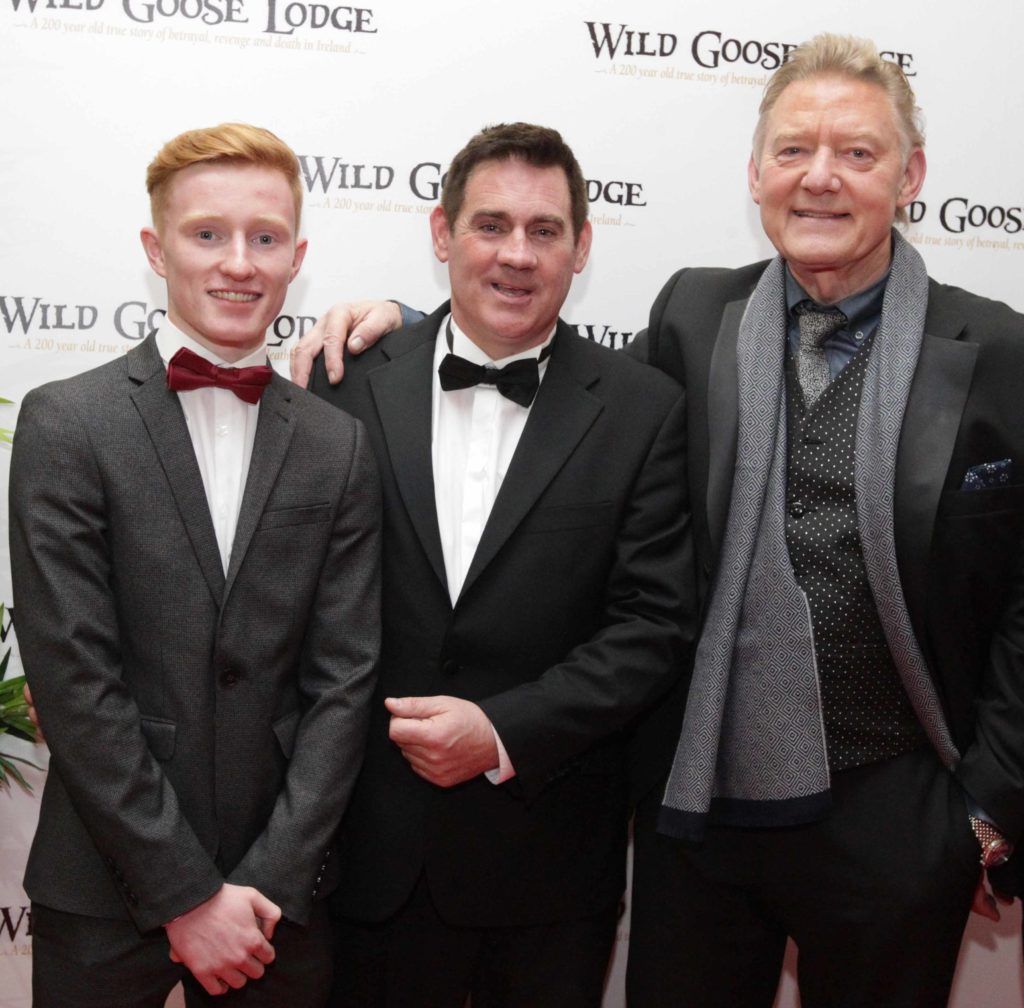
(230,142)
(829,55)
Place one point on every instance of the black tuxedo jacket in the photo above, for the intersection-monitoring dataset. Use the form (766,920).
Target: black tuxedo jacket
(571,621)
(959,551)
(203,726)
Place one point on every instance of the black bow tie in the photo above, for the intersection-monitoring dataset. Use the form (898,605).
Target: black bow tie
(517,381)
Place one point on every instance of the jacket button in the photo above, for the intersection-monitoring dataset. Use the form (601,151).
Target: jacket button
(797,509)
(450,667)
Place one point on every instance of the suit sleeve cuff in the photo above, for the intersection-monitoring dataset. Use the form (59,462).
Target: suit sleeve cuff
(410,316)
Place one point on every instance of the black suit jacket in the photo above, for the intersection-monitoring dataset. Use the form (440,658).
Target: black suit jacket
(571,621)
(959,552)
(203,726)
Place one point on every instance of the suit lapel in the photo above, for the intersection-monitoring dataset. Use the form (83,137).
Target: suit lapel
(937,398)
(936,404)
(161,413)
(274,430)
(722,421)
(562,413)
(401,390)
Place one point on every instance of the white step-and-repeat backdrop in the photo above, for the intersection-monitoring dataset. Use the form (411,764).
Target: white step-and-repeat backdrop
(657,97)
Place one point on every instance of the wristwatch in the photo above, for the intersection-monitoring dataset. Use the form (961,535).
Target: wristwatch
(995,848)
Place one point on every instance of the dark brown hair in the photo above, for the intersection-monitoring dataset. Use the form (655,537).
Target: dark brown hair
(536,145)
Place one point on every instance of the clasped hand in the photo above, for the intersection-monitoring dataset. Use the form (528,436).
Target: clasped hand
(225,941)
(446,740)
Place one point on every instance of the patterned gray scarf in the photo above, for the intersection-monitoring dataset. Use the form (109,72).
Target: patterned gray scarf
(752,750)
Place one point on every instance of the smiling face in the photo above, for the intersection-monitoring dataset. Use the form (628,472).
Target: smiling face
(829,178)
(226,244)
(511,254)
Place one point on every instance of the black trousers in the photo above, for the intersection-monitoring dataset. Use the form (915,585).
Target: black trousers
(416,960)
(876,898)
(94,962)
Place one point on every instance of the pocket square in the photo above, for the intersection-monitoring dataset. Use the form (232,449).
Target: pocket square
(988,474)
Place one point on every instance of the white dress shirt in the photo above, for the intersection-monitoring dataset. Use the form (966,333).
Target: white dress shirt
(474,434)
(222,428)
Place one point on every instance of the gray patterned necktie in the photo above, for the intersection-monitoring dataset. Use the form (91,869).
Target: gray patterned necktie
(812,366)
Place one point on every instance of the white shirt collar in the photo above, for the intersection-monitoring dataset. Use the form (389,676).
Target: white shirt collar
(170,339)
(465,347)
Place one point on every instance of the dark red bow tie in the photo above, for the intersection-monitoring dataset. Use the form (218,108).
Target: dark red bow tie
(187,371)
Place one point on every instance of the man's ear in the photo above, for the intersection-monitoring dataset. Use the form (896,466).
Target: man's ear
(913,178)
(440,233)
(754,180)
(300,254)
(154,250)
(583,247)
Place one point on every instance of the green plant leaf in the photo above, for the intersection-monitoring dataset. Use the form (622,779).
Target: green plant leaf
(13,721)
(10,689)
(13,709)
(9,770)
(20,727)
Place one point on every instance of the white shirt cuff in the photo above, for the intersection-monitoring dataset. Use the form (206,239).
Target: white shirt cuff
(504,770)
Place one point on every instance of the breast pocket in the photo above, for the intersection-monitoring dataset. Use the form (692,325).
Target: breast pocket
(991,501)
(308,514)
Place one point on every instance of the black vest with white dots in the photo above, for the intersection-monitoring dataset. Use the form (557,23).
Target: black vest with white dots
(867,713)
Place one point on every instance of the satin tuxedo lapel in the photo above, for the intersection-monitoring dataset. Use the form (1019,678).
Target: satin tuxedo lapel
(165,423)
(549,614)
(273,435)
(723,418)
(401,391)
(938,395)
(561,414)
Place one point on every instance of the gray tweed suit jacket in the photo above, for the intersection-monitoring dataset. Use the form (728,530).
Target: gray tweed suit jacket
(204,727)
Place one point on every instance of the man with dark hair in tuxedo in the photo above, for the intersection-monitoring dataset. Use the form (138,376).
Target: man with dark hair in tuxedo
(536,563)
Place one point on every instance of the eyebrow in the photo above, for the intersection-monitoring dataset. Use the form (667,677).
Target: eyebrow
(262,221)
(504,216)
(854,136)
